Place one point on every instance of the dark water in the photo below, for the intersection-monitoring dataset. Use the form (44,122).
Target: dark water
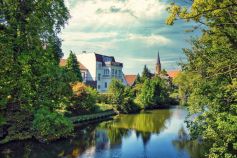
(151,134)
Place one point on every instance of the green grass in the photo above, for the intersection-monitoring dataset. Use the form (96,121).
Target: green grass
(104,107)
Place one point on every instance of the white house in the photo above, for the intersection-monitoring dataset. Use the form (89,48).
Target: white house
(100,70)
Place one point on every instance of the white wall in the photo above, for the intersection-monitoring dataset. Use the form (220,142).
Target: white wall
(95,68)
(89,61)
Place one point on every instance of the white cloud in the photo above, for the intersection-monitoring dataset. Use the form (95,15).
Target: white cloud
(107,13)
(83,36)
(151,39)
(143,60)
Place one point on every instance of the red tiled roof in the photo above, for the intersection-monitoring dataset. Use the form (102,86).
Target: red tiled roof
(63,62)
(173,73)
(130,79)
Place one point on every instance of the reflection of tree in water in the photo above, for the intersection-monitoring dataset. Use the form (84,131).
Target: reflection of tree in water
(144,125)
(71,147)
(92,137)
(149,121)
(115,135)
(193,147)
(145,137)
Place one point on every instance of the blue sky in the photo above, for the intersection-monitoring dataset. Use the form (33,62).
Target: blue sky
(130,30)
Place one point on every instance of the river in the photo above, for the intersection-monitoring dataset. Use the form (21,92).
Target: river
(151,134)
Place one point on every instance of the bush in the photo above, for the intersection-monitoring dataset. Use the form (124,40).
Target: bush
(84,99)
(104,98)
(50,126)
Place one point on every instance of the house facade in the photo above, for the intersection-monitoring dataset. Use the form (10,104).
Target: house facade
(101,69)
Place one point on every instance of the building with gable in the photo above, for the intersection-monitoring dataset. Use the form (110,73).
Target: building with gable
(101,69)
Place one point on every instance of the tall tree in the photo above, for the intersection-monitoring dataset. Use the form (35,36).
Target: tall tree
(73,66)
(30,51)
(212,61)
(138,79)
(146,74)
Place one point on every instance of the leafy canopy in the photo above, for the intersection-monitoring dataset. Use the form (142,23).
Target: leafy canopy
(211,72)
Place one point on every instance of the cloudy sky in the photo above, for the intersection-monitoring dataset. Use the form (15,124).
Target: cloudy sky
(130,30)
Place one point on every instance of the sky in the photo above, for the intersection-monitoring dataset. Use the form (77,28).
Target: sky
(132,31)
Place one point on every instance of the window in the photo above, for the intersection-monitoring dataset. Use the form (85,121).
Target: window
(99,77)
(115,72)
(107,59)
(98,86)
(83,74)
(112,71)
(106,71)
(119,72)
(105,84)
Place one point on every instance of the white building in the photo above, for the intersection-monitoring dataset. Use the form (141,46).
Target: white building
(100,70)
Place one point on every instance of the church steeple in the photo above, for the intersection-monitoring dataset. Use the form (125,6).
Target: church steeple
(158,64)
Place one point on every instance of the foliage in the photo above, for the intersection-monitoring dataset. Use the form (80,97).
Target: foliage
(154,92)
(30,52)
(145,73)
(138,79)
(121,97)
(104,98)
(73,66)
(185,82)
(211,72)
(84,98)
(48,125)
(116,89)
(103,107)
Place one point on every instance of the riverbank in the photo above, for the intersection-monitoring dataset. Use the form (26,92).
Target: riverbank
(108,114)
(91,118)
(146,134)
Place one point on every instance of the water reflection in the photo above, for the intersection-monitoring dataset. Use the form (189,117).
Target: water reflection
(153,134)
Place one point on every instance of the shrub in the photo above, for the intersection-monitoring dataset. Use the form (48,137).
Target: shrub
(84,98)
(104,98)
(51,125)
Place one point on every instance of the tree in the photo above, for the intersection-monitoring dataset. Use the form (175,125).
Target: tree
(116,89)
(213,59)
(73,66)
(138,79)
(146,74)
(30,76)
(121,97)
(154,92)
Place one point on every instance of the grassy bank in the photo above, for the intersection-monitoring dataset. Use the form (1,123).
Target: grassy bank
(95,116)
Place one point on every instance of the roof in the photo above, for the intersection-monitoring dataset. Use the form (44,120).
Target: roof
(104,59)
(173,73)
(130,79)
(63,62)
(100,57)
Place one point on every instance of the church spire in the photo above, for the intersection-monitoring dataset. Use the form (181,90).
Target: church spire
(158,64)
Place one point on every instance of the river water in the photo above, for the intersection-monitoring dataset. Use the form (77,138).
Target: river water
(151,134)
